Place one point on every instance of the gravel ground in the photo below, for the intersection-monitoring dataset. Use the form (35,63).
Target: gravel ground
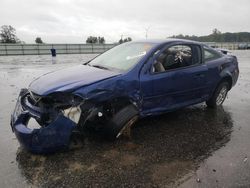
(191,147)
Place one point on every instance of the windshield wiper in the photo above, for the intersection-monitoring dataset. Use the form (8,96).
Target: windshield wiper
(100,67)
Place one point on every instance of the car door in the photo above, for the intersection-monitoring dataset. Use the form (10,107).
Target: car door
(176,86)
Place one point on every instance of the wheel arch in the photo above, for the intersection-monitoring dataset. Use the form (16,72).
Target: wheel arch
(225,77)
(228,79)
(121,102)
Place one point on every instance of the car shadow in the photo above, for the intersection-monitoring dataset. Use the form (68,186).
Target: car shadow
(161,151)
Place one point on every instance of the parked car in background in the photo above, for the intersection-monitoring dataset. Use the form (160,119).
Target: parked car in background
(110,92)
(244,46)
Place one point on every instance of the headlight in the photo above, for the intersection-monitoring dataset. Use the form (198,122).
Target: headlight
(63,100)
(69,105)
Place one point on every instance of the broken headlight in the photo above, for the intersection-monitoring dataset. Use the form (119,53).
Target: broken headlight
(70,106)
(63,100)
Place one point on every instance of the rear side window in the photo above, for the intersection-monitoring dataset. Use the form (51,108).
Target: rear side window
(210,54)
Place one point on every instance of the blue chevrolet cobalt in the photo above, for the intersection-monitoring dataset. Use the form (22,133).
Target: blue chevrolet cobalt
(110,92)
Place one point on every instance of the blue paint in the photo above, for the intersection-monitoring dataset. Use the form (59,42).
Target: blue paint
(54,137)
(68,79)
(151,93)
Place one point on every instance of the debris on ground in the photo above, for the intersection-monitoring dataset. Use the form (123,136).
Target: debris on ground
(198,180)
(245,159)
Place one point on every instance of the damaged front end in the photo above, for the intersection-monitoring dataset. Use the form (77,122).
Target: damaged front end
(58,115)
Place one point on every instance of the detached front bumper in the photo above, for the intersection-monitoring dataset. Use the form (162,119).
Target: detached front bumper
(53,137)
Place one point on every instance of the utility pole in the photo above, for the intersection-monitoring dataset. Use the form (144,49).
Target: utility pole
(146,29)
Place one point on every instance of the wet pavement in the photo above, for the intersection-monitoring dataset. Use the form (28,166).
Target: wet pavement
(191,147)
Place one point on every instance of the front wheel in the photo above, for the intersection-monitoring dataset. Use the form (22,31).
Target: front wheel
(219,95)
(121,122)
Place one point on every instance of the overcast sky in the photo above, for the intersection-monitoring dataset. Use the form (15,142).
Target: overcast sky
(71,21)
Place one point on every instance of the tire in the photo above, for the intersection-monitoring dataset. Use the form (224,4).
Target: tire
(122,120)
(76,140)
(219,95)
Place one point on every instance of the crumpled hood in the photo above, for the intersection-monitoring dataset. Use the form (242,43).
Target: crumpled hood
(68,79)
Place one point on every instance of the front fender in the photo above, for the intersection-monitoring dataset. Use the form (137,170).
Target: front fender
(111,90)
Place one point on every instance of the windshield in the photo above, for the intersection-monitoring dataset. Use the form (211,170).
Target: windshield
(123,57)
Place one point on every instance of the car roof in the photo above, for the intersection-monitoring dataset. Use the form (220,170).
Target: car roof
(168,40)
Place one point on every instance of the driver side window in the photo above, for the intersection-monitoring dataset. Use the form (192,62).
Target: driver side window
(177,56)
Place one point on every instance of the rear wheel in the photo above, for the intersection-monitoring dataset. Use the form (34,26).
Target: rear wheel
(121,122)
(219,95)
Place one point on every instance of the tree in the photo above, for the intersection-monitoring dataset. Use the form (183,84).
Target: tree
(94,40)
(217,36)
(8,34)
(91,40)
(39,40)
(125,40)
(101,40)
(120,41)
(216,32)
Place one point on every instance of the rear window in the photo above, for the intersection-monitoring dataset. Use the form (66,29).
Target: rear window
(210,54)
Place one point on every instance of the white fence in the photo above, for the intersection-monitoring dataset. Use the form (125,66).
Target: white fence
(43,49)
(229,45)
